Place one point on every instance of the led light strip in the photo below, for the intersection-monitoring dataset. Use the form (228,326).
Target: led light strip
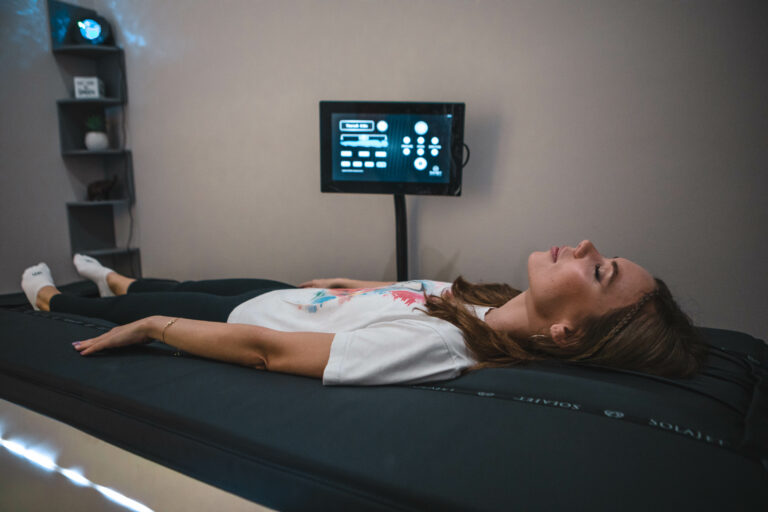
(44,461)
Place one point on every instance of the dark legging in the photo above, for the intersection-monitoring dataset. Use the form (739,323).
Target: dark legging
(210,300)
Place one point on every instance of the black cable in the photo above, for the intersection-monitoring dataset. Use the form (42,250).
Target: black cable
(464,164)
(130,229)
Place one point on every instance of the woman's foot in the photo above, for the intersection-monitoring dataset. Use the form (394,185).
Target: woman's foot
(107,280)
(37,283)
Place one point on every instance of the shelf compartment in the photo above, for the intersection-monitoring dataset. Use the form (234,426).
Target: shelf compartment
(60,16)
(72,129)
(91,227)
(114,166)
(109,67)
(117,164)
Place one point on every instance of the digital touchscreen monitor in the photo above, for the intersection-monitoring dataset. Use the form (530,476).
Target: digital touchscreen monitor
(391,147)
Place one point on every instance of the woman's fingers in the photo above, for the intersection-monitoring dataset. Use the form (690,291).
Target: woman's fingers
(84,347)
(92,345)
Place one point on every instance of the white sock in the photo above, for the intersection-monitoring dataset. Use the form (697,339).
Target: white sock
(90,268)
(33,279)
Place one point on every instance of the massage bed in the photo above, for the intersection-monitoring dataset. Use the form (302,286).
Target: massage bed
(548,436)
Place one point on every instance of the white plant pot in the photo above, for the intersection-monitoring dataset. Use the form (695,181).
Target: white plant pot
(96,141)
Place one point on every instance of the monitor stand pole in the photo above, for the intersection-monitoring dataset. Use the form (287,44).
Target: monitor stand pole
(401,236)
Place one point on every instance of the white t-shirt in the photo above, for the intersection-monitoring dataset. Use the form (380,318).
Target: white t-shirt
(380,336)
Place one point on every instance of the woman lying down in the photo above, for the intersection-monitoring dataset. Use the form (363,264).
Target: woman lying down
(579,306)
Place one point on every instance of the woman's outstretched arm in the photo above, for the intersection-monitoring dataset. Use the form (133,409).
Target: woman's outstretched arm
(298,353)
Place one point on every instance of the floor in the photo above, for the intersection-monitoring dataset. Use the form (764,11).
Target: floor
(48,465)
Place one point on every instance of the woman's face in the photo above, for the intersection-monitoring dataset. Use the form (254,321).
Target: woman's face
(567,284)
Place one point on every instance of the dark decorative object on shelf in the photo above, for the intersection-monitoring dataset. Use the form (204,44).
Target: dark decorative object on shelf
(99,190)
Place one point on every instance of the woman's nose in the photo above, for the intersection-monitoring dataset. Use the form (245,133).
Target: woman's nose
(584,248)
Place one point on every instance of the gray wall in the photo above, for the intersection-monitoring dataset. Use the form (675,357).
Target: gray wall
(638,124)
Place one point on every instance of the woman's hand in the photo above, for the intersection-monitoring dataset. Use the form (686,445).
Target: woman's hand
(344,282)
(336,282)
(121,336)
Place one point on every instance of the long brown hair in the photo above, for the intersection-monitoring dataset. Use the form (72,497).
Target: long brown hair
(652,336)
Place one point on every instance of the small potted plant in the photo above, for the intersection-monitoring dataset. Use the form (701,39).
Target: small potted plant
(95,138)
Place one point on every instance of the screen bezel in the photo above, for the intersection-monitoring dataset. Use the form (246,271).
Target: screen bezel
(452,188)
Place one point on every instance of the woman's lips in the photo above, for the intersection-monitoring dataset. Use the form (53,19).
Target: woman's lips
(554,251)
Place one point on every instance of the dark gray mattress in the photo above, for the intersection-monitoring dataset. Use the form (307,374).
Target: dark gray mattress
(540,437)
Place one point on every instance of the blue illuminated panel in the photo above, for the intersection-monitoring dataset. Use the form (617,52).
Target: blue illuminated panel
(403,148)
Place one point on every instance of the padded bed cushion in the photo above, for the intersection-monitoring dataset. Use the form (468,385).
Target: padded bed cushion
(539,437)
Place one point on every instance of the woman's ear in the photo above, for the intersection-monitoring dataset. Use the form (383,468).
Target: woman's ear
(561,333)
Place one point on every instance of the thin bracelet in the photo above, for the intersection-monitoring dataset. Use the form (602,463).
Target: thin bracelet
(162,335)
(170,323)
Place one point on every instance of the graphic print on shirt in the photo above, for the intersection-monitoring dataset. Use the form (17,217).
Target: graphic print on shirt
(410,293)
